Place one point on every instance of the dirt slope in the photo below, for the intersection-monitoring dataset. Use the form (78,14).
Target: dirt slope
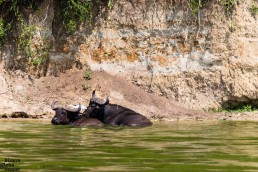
(34,96)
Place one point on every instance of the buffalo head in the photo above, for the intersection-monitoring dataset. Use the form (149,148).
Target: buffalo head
(64,116)
(96,106)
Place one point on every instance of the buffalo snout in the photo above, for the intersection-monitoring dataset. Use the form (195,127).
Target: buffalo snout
(54,121)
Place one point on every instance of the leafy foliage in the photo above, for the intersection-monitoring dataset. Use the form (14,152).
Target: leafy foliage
(13,23)
(242,107)
(85,85)
(87,74)
(195,6)
(25,39)
(229,4)
(4,28)
(254,9)
(75,12)
(72,14)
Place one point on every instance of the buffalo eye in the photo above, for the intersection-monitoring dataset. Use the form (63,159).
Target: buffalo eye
(93,105)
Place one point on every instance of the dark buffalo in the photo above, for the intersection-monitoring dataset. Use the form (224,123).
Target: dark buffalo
(114,114)
(73,117)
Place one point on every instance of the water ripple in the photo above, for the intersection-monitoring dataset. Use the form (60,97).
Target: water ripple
(165,146)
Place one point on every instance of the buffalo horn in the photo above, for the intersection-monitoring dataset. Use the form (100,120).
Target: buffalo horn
(53,105)
(94,94)
(74,110)
(107,100)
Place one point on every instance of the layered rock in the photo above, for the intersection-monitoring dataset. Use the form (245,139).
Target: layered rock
(162,48)
(203,61)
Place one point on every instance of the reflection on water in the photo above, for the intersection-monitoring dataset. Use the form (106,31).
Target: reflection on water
(165,146)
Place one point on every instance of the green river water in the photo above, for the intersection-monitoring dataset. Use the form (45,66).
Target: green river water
(165,146)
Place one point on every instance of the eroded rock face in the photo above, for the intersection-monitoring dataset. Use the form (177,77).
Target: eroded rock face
(161,47)
(3,85)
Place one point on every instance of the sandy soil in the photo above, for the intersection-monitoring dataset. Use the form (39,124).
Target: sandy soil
(33,97)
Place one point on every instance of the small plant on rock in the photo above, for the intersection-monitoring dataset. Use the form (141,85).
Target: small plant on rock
(195,5)
(254,9)
(228,4)
(37,61)
(110,4)
(4,28)
(239,108)
(25,39)
(87,74)
(85,86)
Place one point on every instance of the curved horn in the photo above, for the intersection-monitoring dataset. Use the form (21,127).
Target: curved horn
(80,107)
(53,105)
(74,110)
(107,101)
(94,94)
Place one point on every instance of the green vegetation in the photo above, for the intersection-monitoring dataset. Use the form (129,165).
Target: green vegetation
(254,9)
(85,86)
(87,74)
(74,13)
(42,53)
(229,4)
(110,4)
(37,61)
(24,41)
(14,15)
(243,107)
(4,28)
(13,24)
(195,5)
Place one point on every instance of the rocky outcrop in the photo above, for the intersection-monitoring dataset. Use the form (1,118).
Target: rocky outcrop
(162,48)
(203,61)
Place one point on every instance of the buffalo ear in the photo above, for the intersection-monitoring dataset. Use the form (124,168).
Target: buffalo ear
(94,94)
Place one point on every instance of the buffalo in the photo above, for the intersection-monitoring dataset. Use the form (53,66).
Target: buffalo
(73,117)
(116,115)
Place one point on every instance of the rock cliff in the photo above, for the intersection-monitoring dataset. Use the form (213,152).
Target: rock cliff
(205,60)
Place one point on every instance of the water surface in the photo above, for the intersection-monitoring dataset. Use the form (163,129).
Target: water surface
(165,146)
